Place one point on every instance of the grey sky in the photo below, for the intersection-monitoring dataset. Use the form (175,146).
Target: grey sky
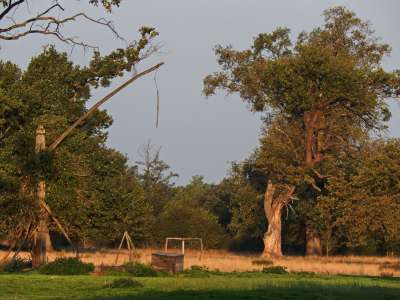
(200,136)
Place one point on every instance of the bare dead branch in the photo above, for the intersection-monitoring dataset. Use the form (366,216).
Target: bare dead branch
(10,6)
(46,24)
(99,103)
(158,99)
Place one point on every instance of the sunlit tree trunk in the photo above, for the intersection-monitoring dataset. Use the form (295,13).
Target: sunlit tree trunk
(273,206)
(273,236)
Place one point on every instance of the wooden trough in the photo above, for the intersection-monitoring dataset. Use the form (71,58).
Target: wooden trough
(170,262)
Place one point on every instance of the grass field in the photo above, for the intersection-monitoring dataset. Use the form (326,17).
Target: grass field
(230,262)
(240,279)
(233,286)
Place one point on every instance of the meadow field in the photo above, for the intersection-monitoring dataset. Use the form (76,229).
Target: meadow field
(228,276)
(232,286)
(224,261)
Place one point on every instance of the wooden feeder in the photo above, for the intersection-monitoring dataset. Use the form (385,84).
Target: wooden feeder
(170,262)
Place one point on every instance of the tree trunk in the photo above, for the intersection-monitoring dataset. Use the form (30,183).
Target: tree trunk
(41,241)
(313,242)
(273,212)
(312,154)
(272,238)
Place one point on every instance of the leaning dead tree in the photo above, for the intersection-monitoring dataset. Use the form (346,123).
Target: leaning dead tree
(17,20)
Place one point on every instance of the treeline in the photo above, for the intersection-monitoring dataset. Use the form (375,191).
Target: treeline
(356,212)
(322,180)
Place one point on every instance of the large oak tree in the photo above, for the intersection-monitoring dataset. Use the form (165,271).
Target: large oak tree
(327,77)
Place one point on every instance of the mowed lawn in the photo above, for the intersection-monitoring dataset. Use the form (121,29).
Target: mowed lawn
(239,286)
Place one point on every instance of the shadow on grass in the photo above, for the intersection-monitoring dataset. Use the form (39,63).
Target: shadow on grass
(270,293)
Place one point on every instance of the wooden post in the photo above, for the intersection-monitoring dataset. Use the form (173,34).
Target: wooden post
(41,240)
(129,245)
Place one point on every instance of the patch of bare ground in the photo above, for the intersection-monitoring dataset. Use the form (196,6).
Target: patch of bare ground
(229,262)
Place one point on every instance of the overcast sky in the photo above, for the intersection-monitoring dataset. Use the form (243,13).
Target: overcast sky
(199,136)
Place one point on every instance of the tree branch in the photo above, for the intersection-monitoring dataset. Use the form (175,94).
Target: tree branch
(10,7)
(97,105)
(46,25)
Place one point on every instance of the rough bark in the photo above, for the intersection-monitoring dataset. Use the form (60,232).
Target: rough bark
(273,211)
(41,243)
(312,156)
(313,242)
(273,236)
(312,153)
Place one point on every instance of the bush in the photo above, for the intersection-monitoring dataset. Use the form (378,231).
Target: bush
(140,270)
(196,272)
(262,262)
(199,268)
(304,273)
(17,264)
(125,283)
(66,266)
(275,270)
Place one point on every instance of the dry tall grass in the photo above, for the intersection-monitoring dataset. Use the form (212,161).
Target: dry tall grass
(229,262)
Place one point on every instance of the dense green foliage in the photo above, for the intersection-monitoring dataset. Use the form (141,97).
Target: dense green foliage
(275,270)
(239,286)
(16,264)
(138,269)
(361,206)
(89,186)
(124,283)
(184,215)
(66,266)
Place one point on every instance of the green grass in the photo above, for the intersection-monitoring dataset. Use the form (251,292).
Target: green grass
(226,287)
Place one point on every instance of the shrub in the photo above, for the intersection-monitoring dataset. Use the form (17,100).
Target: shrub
(304,273)
(125,283)
(197,272)
(17,264)
(199,268)
(275,270)
(66,266)
(262,262)
(140,270)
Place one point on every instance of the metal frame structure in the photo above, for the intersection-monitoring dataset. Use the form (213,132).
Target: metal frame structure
(183,244)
